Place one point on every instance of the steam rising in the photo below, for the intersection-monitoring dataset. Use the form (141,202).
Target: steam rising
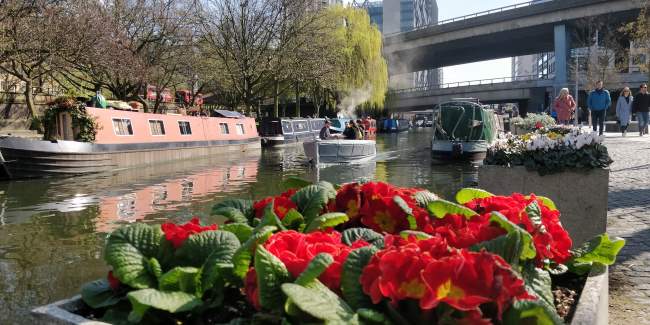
(355,98)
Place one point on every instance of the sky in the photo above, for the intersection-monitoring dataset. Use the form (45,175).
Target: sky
(479,70)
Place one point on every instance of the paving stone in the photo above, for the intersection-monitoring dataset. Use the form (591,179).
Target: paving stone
(629,216)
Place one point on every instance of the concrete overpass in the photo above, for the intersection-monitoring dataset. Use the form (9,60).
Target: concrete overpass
(530,93)
(537,28)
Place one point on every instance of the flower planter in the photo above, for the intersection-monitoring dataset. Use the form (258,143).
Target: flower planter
(591,309)
(581,196)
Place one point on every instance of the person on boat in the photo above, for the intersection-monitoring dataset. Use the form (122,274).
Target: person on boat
(325,131)
(564,106)
(624,109)
(98,100)
(362,130)
(350,132)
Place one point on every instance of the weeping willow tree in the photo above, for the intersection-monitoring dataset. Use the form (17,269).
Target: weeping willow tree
(364,72)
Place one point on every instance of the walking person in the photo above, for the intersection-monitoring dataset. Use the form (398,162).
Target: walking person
(598,103)
(641,107)
(624,109)
(564,106)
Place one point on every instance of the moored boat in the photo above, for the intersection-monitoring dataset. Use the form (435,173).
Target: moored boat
(339,151)
(127,139)
(463,130)
(281,131)
(394,125)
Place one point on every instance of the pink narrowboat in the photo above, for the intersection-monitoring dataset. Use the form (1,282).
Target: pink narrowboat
(128,139)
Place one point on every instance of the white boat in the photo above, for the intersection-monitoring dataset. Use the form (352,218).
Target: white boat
(340,151)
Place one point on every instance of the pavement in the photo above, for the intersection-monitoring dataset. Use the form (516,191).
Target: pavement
(629,218)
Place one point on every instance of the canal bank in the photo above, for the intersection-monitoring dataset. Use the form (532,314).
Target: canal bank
(52,230)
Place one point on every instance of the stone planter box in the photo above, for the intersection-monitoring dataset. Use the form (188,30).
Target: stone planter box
(580,196)
(592,306)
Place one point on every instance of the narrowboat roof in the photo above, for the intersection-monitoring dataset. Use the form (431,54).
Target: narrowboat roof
(228,114)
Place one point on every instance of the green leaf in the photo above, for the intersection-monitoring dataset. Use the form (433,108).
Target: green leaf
(242,230)
(538,282)
(173,302)
(316,267)
(441,208)
(179,279)
(321,305)
(271,274)
(371,316)
(546,201)
(198,247)
(535,214)
(311,200)
(417,234)
(243,256)
(270,218)
(402,205)
(527,247)
(232,214)
(599,249)
(508,246)
(349,236)
(423,198)
(98,294)
(531,312)
(467,195)
(295,183)
(128,250)
(352,269)
(327,220)
(293,220)
(245,206)
(154,267)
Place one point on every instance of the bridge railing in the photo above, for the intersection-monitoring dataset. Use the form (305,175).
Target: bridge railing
(479,82)
(474,15)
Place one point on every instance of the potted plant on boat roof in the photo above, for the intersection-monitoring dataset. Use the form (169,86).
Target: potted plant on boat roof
(567,163)
(366,253)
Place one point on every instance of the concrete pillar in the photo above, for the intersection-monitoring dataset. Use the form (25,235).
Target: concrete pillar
(561,56)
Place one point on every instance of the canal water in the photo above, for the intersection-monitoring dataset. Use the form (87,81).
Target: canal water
(52,231)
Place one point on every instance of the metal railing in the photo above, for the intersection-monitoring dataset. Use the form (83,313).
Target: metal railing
(474,15)
(468,83)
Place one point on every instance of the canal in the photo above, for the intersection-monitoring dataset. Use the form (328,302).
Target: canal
(52,230)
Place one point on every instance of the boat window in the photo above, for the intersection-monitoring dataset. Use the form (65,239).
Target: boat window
(240,129)
(316,125)
(157,127)
(300,126)
(185,128)
(224,128)
(122,126)
(286,127)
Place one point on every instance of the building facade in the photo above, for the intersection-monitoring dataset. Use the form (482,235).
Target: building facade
(397,16)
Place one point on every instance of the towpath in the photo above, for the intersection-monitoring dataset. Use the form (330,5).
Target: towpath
(629,218)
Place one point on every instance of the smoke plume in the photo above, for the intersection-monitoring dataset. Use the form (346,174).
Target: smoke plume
(355,98)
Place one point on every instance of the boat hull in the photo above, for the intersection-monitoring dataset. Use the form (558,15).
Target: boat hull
(32,158)
(283,140)
(340,151)
(458,150)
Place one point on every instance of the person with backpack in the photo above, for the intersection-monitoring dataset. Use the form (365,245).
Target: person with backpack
(598,102)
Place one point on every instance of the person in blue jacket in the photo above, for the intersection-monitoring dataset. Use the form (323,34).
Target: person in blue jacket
(598,103)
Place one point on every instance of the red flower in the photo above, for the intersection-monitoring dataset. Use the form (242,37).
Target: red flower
(380,212)
(282,204)
(348,200)
(395,272)
(251,289)
(113,282)
(178,234)
(539,125)
(551,240)
(296,250)
(466,280)
(461,232)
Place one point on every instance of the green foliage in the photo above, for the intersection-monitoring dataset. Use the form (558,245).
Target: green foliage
(81,121)
(98,294)
(328,220)
(198,247)
(244,206)
(352,268)
(349,236)
(311,200)
(600,249)
(531,121)
(467,195)
(173,302)
(316,267)
(359,44)
(271,274)
(441,208)
(531,312)
(319,302)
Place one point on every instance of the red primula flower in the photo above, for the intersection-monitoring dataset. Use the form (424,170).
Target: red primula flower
(348,200)
(461,232)
(296,250)
(395,271)
(178,234)
(113,282)
(251,290)
(465,280)
(551,240)
(282,204)
(380,212)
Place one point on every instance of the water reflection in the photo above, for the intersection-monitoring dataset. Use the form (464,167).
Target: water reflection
(52,230)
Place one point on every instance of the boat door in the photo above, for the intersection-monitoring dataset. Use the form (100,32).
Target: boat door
(287,130)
